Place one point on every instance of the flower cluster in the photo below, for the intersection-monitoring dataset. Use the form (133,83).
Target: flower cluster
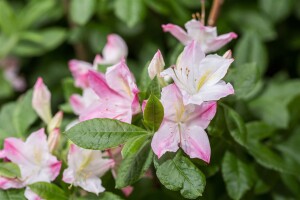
(189,105)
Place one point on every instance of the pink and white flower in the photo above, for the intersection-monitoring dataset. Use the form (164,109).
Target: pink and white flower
(205,35)
(33,158)
(156,65)
(41,100)
(114,51)
(85,167)
(183,126)
(117,95)
(199,77)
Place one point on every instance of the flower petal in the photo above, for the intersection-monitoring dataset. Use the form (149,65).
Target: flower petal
(200,115)
(120,79)
(199,32)
(115,50)
(79,70)
(166,139)
(195,143)
(220,41)
(92,184)
(177,32)
(215,92)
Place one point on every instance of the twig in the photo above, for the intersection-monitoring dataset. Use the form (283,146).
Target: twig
(78,46)
(214,12)
(203,12)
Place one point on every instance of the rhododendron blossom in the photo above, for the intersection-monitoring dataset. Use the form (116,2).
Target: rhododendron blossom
(41,100)
(85,167)
(183,126)
(199,77)
(205,35)
(33,158)
(117,93)
(156,65)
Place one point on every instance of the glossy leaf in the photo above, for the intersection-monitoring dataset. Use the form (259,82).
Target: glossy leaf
(102,134)
(9,170)
(153,113)
(178,173)
(48,191)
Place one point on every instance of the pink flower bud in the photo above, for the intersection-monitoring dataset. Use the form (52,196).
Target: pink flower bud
(156,65)
(53,139)
(55,121)
(227,54)
(41,100)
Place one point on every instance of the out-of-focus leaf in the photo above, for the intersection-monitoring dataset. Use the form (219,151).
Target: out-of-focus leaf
(69,88)
(82,10)
(259,130)
(250,49)
(49,39)
(102,196)
(271,105)
(159,6)
(9,170)
(235,125)
(252,20)
(7,44)
(12,194)
(130,11)
(8,22)
(180,174)
(217,126)
(276,10)
(237,175)
(24,115)
(6,89)
(245,78)
(33,11)
(6,117)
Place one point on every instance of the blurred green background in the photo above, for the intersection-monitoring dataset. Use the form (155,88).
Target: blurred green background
(39,37)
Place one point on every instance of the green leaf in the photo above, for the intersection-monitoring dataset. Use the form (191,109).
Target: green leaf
(12,194)
(179,173)
(217,126)
(250,49)
(6,117)
(33,11)
(236,125)
(9,170)
(81,11)
(44,41)
(7,44)
(272,106)
(269,159)
(259,130)
(132,146)
(153,113)
(101,134)
(130,11)
(6,89)
(48,191)
(276,10)
(134,166)
(8,22)
(252,21)
(102,196)
(69,88)
(245,78)
(237,176)
(24,115)
(145,79)
(154,88)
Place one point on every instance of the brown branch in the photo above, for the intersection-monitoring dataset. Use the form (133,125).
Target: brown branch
(214,12)
(78,46)
(203,12)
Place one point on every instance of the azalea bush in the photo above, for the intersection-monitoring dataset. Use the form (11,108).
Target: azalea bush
(149,99)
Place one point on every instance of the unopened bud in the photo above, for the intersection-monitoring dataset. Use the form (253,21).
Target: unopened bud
(55,121)
(41,101)
(227,54)
(53,139)
(156,65)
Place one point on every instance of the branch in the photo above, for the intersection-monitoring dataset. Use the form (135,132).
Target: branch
(214,12)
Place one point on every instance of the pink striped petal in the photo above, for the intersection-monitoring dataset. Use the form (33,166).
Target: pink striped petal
(177,32)
(195,143)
